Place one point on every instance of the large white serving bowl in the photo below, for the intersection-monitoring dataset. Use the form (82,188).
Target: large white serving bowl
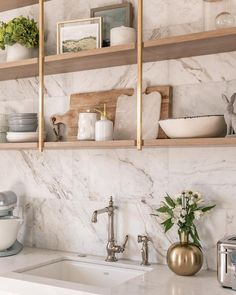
(194,127)
(9,227)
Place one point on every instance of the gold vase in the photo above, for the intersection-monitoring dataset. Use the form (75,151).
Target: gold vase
(184,258)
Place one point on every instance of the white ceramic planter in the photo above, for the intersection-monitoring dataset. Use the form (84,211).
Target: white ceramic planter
(18,52)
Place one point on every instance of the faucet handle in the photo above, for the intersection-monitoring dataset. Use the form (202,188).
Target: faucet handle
(143,239)
(125,242)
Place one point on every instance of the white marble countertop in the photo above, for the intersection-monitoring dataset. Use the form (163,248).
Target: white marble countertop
(159,281)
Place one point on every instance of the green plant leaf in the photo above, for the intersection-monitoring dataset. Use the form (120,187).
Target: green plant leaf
(162,209)
(168,224)
(205,209)
(196,232)
(169,201)
(19,30)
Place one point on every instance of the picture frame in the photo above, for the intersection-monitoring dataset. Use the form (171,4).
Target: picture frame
(79,35)
(113,16)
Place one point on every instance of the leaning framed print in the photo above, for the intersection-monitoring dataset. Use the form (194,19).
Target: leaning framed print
(79,35)
(113,16)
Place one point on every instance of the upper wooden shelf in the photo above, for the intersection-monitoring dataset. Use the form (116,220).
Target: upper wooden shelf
(155,50)
(14,4)
(204,43)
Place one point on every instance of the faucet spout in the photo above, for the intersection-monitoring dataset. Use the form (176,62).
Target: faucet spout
(97,212)
(112,248)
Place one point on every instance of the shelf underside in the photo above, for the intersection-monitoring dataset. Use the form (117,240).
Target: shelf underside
(204,43)
(123,144)
(14,4)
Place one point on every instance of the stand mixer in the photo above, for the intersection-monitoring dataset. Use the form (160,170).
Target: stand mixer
(8,201)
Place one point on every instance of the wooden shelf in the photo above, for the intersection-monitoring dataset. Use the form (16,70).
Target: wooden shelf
(123,144)
(116,144)
(155,50)
(92,59)
(70,62)
(204,43)
(14,4)
(19,146)
(190,142)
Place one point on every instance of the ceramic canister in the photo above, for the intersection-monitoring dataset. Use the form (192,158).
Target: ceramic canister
(86,126)
(122,35)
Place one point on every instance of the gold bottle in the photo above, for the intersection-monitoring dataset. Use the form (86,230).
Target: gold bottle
(184,258)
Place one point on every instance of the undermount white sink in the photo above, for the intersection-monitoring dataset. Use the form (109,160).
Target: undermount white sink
(89,273)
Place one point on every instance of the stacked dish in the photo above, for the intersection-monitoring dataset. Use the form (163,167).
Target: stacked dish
(23,127)
(23,122)
(3,127)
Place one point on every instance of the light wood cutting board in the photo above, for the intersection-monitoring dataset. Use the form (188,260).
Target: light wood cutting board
(81,102)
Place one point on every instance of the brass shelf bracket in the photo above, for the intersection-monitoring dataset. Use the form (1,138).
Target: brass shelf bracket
(140,75)
(41,75)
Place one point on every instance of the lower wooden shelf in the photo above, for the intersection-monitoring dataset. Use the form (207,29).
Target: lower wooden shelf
(191,142)
(123,144)
(116,144)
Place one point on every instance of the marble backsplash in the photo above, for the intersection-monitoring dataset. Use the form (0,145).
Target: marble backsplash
(59,190)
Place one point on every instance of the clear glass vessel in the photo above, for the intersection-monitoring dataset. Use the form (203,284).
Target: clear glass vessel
(218,14)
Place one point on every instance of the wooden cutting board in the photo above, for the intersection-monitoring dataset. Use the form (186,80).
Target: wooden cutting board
(82,102)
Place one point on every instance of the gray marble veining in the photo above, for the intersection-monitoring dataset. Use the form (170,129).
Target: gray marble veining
(60,189)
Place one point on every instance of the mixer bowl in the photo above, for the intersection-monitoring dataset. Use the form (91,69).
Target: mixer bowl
(9,227)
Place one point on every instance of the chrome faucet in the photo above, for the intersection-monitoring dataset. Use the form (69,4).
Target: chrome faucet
(144,250)
(112,248)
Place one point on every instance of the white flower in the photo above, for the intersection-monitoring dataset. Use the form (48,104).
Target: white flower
(182,220)
(183,212)
(198,214)
(177,211)
(191,202)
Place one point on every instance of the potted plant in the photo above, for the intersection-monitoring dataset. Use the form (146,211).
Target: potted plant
(184,258)
(20,35)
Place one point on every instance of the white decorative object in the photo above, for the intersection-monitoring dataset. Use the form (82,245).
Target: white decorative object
(123,35)
(86,128)
(9,228)
(18,52)
(23,136)
(230,115)
(195,127)
(104,127)
(126,116)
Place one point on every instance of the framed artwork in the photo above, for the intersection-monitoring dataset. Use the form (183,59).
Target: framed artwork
(113,16)
(79,35)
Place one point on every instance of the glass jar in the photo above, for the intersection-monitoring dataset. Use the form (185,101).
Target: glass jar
(218,14)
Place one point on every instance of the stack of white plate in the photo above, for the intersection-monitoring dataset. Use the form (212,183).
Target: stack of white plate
(3,128)
(23,127)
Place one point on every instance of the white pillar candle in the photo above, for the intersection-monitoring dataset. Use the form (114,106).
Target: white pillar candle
(122,35)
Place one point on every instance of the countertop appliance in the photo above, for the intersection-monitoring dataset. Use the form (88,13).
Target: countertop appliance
(226,264)
(9,224)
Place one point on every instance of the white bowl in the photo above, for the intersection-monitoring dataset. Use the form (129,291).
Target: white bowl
(194,127)
(23,136)
(9,227)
